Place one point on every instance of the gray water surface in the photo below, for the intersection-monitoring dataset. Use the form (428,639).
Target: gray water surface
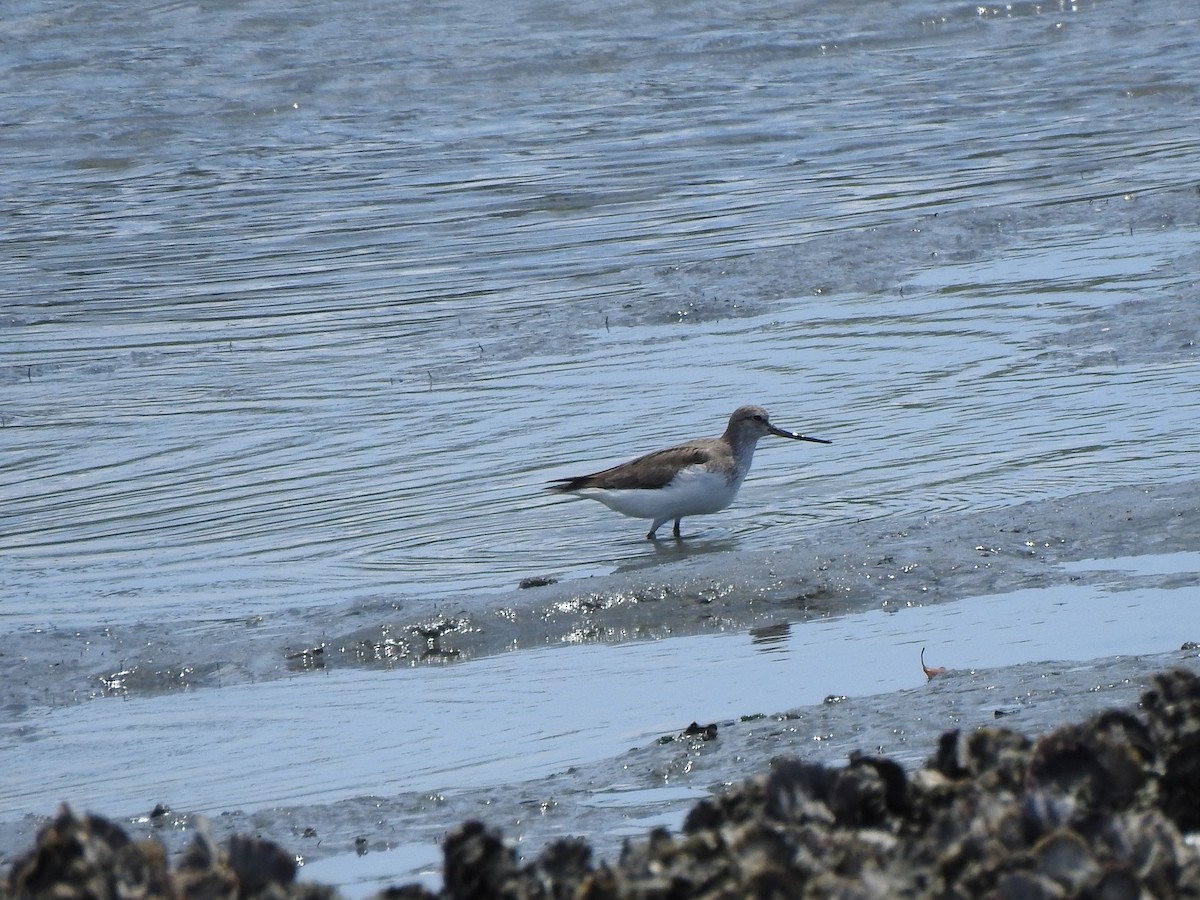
(305,306)
(301,307)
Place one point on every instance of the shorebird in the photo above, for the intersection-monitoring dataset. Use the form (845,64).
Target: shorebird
(696,478)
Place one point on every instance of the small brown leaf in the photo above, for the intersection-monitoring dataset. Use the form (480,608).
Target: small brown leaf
(930,674)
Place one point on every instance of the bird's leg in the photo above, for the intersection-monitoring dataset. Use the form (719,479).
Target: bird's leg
(675,530)
(652,534)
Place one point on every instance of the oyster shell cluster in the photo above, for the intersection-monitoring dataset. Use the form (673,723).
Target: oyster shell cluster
(1092,810)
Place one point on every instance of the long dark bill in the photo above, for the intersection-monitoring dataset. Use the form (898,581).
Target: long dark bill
(797,437)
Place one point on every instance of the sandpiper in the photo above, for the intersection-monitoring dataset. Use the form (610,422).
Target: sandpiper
(699,477)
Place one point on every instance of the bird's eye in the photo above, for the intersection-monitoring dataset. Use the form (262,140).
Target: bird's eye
(757,417)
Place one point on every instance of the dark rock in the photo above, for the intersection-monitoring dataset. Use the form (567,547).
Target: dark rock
(562,867)
(74,857)
(1103,763)
(1090,810)
(997,754)
(477,862)
(91,858)
(259,864)
(1172,706)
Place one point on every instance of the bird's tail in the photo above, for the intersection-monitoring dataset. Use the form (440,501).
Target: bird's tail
(566,485)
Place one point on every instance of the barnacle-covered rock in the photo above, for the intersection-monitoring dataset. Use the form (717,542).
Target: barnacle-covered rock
(1172,707)
(1090,810)
(90,858)
(1102,763)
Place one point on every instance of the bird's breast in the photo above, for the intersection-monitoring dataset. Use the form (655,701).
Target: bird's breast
(694,491)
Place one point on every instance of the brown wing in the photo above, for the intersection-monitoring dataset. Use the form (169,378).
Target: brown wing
(654,470)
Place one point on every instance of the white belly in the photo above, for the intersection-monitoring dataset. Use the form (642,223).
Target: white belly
(693,492)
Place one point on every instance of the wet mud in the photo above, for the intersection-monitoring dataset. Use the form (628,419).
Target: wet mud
(1094,808)
(872,565)
(935,561)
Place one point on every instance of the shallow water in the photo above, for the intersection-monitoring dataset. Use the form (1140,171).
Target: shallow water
(317,738)
(301,308)
(301,326)
(946,401)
